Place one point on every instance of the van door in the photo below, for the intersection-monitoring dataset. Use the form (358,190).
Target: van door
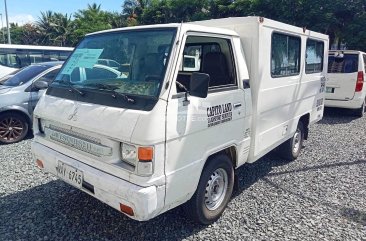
(204,125)
(342,76)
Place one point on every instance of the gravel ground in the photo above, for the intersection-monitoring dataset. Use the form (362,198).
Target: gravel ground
(320,196)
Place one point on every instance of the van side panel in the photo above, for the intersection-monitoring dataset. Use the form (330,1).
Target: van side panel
(277,103)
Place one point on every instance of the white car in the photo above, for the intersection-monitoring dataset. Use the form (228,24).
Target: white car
(345,84)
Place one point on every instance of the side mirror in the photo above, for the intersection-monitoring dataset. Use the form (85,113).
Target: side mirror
(199,84)
(40,85)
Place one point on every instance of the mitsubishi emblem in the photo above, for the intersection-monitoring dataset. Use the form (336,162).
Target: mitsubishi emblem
(73,116)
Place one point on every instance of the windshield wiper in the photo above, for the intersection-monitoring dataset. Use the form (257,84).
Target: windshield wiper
(72,88)
(113,90)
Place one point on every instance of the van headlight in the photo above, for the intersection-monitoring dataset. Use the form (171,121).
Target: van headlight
(129,154)
(141,158)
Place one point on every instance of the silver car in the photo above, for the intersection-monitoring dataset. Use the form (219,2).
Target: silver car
(19,94)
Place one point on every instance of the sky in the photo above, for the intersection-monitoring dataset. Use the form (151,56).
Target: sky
(24,11)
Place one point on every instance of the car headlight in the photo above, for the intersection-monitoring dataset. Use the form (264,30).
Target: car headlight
(129,154)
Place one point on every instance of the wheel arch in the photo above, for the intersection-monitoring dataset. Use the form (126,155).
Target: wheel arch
(18,110)
(230,151)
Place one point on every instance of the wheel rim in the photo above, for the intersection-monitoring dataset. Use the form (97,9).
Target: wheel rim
(216,189)
(296,141)
(11,129)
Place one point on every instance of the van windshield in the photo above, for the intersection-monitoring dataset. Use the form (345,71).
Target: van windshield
(348,63)
(129,63)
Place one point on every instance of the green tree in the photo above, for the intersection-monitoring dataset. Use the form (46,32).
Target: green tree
(30,34)
(16,33)
(54,28)
(90,20)
(44,24)
(62,28)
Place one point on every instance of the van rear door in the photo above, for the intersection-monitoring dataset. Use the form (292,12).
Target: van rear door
(342,76)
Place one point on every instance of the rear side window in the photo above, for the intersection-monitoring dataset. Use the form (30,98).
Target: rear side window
(364,61)
(346,63)
(285,56)
(314,56)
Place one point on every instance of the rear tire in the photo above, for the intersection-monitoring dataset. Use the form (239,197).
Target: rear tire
(13,128)
(360,112)
(213,191)
(290,149)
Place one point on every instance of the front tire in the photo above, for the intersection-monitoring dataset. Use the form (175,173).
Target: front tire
(290,150)
(213,191)
(13,128)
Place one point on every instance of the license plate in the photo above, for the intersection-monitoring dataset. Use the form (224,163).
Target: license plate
(69,174)
(329,90)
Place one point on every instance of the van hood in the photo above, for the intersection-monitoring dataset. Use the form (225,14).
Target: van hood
(4,89)
(115,123)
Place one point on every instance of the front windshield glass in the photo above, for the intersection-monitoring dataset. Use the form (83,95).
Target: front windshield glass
(132,63)
(22,76)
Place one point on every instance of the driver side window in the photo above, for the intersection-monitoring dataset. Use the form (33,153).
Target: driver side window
(50,76)
(209,55)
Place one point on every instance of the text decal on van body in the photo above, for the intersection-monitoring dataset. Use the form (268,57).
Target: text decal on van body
(219,114)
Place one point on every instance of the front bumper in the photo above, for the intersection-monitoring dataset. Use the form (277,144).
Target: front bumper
(146,202)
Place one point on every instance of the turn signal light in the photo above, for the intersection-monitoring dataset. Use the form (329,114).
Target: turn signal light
(39,164)
(360,80)
(145,154)
(126,209)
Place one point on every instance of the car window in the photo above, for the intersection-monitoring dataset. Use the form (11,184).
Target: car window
(314,56)
(343,63)
(24,75)
(50,76)
(8,76)
(209,55)
(285,55)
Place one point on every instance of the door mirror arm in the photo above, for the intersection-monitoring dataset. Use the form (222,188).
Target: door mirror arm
(186,92)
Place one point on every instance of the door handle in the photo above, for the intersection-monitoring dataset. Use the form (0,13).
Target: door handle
(237,105)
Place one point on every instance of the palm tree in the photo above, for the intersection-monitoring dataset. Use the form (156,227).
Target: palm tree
(90,20)
(62,28)
(44,25)
(55,28)
(92,10)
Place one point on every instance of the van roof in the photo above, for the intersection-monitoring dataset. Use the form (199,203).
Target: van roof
(185,27)
(218,26)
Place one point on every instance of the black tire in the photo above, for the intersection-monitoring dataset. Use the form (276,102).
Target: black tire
(360,112)
(13,128)
(199,208)
(291,149)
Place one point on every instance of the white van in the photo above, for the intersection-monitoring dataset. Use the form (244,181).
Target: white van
(163,135)
(346,75)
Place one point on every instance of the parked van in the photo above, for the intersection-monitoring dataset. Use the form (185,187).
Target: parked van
(163,134)
(346,75)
